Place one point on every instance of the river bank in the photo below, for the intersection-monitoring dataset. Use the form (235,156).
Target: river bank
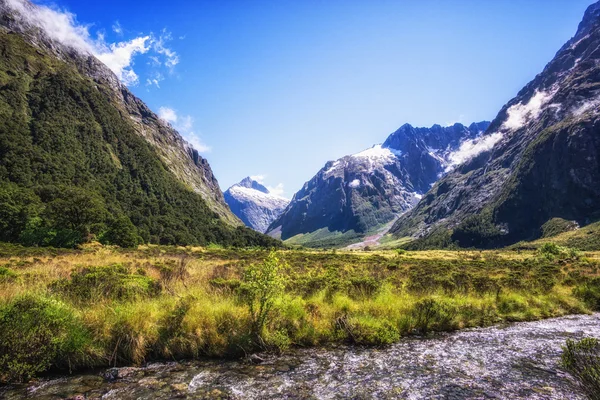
(516,361)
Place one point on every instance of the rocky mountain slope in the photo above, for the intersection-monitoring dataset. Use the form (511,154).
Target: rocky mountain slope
(357,193)
(543,162)
(69,128)
(254,204)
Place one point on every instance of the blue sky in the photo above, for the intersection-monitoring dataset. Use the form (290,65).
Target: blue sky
(277,88)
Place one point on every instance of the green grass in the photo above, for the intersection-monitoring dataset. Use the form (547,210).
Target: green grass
(323,238)
(103,306)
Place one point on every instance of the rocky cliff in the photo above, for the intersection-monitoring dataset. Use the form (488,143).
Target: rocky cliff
(254,204)
(542,161)
(360,192)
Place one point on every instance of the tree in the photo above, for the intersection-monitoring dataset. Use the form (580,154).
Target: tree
(76,209)
(261,284)
(122,233)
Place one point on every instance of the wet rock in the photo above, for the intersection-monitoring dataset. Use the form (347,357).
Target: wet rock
(111,374)
(256,359)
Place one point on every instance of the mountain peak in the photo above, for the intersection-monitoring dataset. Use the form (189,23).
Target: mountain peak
(250,183)
(254,204)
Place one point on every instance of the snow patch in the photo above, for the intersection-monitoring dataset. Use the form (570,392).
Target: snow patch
(586,106)
(472,147)
(354,184)
(518,114)
(375,152)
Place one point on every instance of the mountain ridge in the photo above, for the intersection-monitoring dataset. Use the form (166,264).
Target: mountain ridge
(84,159)
(254,204)
(360,192)
(543,163)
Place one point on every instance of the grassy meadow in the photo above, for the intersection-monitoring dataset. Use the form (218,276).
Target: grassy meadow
(104,306)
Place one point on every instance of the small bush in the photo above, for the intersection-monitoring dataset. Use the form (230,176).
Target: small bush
(589,292)
(582,360)
(261,284)
(7,275)
(173,270)
(37,333)
(429,314)
(367,330)
(109,282)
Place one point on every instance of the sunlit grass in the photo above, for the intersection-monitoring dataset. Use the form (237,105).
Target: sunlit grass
(364,297)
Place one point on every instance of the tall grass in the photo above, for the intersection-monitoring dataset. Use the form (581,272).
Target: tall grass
(104,307)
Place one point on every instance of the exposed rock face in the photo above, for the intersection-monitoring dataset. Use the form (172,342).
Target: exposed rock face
(182,160)
(364,190)
(541,161)
(254,204)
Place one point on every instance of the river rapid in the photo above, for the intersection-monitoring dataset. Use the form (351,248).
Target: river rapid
(516,361)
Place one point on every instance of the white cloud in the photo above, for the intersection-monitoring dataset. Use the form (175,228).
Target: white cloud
(59,25)
(119,58)
(168,115)
(258,178)
(470,148)
(519,113)
(159,45)
(117,28)
(354,184)
(185,126)
(62,26)
(155,80)
(277,190)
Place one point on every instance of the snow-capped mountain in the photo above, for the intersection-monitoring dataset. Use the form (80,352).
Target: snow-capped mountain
(538,160)
(362,191)
(254,204)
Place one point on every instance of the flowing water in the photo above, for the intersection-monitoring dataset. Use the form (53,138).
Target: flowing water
(518,361)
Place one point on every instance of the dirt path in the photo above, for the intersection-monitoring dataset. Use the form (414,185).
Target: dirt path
(373,240)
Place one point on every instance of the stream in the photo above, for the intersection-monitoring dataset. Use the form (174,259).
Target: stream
(516,361)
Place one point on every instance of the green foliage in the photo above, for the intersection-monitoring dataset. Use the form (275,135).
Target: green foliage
(438,239)
(121,232)
(107,282)
(589,292)
(582,360)
(73,168)
(551,251)
(556,226)
(366,330)
(430,314)
(261,284)
(477,231)
(6,275)
(37,333)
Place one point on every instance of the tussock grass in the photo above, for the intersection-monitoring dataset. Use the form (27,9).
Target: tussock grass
(102,306)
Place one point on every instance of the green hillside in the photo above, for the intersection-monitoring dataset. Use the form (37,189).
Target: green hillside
(72,167)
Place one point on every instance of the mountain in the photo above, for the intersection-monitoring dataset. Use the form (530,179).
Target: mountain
(82,157)
(355,194)
(254,204)
(542,160)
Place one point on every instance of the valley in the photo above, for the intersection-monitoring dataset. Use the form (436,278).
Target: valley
(449,261)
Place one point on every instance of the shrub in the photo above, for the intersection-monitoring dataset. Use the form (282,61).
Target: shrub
(550,249)
(582,360)
(429,314)
(589,292)
(261,284)
(37,333)
(173,270)
(109,282)
(367,330)
(6,275)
